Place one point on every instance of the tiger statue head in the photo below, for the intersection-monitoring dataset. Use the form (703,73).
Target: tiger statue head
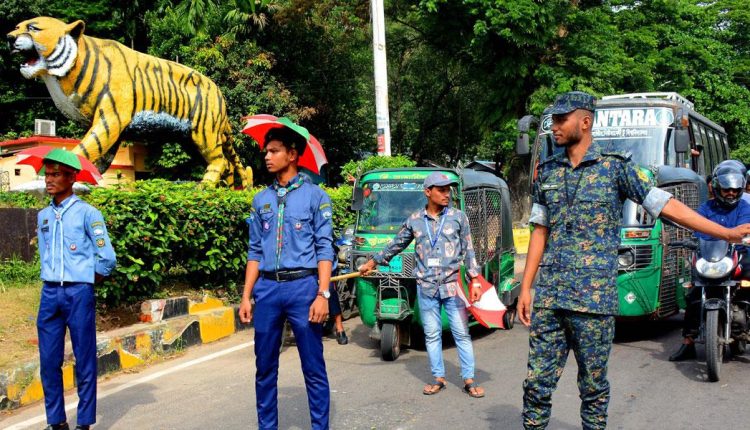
(49,45)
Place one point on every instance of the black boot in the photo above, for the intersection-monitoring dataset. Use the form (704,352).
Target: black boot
(63,426)
(686,352)
(341,338)
(82,427)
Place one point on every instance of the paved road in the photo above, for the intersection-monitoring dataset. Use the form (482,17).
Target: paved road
(210,387)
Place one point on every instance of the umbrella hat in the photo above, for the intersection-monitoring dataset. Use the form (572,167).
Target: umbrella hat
(302,131)
(62,156)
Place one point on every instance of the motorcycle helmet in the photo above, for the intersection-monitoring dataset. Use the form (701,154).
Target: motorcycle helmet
(729,174)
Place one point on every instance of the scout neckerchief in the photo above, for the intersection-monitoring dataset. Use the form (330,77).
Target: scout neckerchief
(59,222)
(433,241)
(281,193)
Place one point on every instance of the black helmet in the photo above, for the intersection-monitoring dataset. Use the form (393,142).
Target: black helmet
(729,174)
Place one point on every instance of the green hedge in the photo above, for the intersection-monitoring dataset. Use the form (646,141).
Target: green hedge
(161,231)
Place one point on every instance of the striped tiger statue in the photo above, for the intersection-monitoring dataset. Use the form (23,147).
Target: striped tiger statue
(116,90)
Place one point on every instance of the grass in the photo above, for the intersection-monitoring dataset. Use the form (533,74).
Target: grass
(18,309)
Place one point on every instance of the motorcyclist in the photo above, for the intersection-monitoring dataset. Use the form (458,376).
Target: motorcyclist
(730,209)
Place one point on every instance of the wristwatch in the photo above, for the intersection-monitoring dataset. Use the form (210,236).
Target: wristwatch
(326,294)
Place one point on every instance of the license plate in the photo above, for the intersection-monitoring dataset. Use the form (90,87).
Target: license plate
(395,266)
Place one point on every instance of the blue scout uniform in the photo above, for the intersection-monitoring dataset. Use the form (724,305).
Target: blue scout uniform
(73,247)
(576,293)
(287,287)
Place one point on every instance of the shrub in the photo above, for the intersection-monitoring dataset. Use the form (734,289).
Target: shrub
(161,229)
(353,169)
(21,200)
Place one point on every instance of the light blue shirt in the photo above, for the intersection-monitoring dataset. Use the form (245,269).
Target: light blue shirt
(73,242)
(307,229)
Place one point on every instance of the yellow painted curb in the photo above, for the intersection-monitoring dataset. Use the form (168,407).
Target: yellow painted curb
(69,380)
(33,393)
(216,325)
(521,240)
(128,360)
(207,304)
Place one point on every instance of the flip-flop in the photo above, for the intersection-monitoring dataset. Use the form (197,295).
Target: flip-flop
(475,393)
(440,385)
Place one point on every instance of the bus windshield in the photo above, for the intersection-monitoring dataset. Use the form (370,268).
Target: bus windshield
(388,204)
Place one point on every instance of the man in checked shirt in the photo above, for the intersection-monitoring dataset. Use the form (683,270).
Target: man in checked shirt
(443,240)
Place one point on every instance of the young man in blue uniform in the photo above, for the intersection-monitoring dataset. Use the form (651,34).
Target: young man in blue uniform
(75,252)
(730,209)
(576,214)
(288,276)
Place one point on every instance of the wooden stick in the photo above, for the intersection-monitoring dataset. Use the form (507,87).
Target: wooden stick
(346,276)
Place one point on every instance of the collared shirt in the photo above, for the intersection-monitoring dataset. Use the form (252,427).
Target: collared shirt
(73,242)
(307,235)
(727,217)
(452,246)
(582,207)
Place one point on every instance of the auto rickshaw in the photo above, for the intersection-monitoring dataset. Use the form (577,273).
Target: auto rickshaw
(383,199)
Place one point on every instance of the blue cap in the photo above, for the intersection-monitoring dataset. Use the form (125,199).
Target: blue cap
(568,102)
(438,179)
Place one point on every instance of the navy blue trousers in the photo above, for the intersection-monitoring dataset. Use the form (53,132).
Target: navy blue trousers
(72,307)
(275,302)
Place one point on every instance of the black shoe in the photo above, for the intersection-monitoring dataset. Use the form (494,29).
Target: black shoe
(686,352)
(341,338)
(63,426)
(80,427)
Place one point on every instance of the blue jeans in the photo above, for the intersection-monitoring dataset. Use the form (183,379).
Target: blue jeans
(455,309)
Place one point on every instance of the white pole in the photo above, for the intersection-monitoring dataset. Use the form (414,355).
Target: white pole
(381,78)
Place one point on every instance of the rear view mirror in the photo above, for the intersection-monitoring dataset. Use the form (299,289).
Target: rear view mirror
(522,144)
(358,197)
(525,125)
(681,140)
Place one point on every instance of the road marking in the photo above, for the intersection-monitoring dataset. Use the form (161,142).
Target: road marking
(42,418)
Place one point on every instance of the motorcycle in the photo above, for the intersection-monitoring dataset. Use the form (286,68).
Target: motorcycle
(725,302)
(345,287)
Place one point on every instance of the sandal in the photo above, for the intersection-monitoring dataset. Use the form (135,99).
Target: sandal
(434,388)
(472,390)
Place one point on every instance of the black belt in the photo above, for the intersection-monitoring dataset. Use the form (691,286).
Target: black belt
(288,275)
(64,284)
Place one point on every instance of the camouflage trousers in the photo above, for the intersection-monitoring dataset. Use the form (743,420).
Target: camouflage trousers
(553,334)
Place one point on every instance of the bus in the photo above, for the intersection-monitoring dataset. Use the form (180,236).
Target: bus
(678,148)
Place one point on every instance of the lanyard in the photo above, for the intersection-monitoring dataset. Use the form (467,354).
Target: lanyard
(59,221)
(281,194)
(568,226)
(433,242)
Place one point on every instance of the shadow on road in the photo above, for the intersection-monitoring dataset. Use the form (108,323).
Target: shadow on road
(112,410)
(640,330)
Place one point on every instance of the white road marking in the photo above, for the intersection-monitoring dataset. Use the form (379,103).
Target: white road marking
(148,378)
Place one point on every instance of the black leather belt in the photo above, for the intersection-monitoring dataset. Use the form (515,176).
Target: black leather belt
(288,275)
(64,284)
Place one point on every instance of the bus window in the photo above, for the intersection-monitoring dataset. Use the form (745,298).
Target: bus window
(715,149)
(698,162)
(724,146)
(711,161)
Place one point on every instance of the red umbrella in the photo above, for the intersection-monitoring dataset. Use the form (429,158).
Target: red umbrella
(34,157)
(312,159)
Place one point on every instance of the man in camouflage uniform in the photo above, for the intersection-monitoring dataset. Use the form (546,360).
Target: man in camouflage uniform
(578,200)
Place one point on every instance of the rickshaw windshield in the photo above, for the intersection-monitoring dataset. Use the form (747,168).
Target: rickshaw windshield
(713,250)
(387,205)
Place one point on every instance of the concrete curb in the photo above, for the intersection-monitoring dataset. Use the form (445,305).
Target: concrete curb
(178,325)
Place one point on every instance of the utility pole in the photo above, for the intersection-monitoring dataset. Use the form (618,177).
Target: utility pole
(381,78)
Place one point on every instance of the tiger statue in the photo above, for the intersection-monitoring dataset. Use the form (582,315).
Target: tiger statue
(116,90)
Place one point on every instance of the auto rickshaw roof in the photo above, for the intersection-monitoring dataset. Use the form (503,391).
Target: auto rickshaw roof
(479,179)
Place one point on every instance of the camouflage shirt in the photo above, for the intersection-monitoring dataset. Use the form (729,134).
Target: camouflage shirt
(437,268)
(582,208)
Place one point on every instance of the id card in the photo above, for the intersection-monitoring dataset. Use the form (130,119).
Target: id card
(433,262)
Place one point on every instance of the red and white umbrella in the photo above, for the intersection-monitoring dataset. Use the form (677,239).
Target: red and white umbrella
(312,159)
(488,310)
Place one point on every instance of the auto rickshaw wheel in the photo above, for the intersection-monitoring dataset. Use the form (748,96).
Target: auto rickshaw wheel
(390,341)
(509,318)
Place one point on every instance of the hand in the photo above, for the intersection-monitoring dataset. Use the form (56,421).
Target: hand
(524,308)
(246,311)
(736,234)
(367,267)
(475,292)
(318,310)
